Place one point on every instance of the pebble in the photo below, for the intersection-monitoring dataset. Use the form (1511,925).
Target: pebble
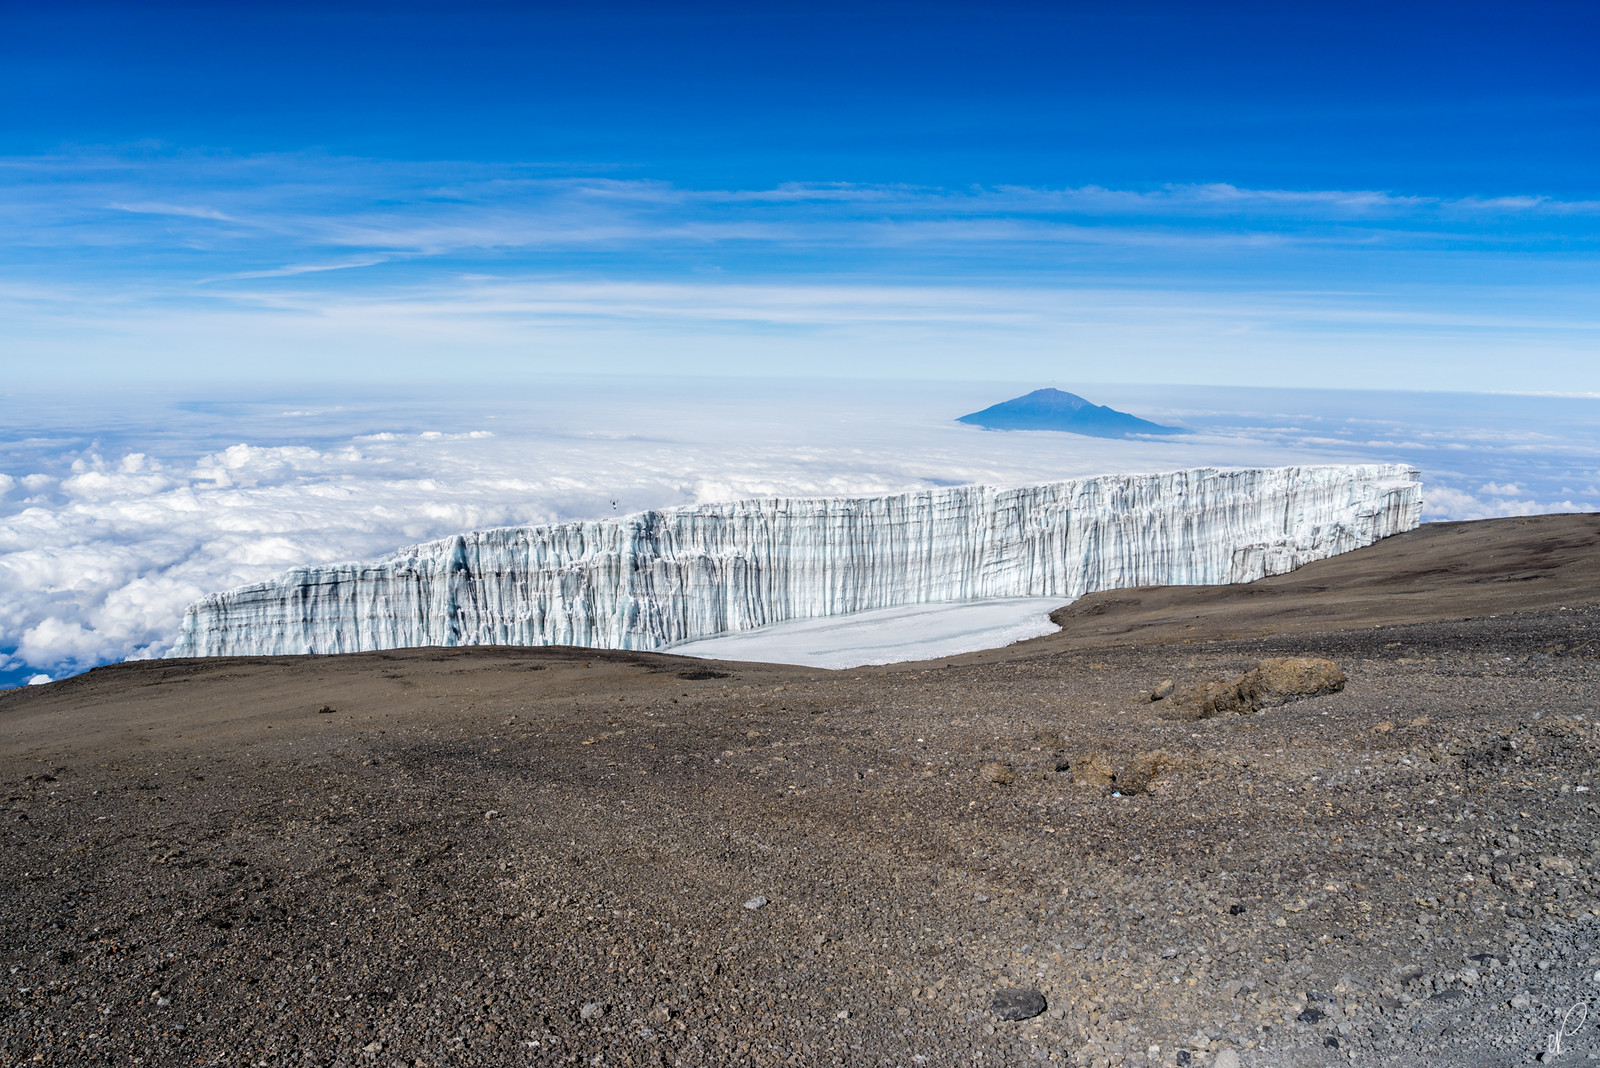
(756,902)
(1021,1003)
(592,1010)
(1226,1059)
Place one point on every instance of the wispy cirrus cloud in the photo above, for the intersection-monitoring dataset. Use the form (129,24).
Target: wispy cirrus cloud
(181,210)
(441,208)
(195,249)
(290,270)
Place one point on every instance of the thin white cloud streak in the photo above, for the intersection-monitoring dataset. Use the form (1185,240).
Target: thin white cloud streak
(306,268)
(180,210)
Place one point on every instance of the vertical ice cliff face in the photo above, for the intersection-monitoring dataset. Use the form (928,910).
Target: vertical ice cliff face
(649,580)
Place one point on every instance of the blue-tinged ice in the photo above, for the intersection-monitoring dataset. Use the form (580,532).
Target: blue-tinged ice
(656,579)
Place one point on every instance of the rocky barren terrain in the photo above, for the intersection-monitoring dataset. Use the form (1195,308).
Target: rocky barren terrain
(555,856)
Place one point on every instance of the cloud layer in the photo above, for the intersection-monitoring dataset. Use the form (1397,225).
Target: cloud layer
(106,536)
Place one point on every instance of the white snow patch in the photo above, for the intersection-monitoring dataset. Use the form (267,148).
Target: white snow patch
(887,635)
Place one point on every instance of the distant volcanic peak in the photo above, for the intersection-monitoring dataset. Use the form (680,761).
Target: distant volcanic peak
(1054,409)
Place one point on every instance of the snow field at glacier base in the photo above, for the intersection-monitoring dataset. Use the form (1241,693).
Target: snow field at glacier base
(886,635)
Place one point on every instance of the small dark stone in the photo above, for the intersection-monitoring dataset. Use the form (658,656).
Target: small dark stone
(1235,910)
(1485,958)
(1182,1058)
(325,709)
(1332,1042)
(1018,1004)
(1311,1016)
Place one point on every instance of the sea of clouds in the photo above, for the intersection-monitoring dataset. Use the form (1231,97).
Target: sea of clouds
(118,510)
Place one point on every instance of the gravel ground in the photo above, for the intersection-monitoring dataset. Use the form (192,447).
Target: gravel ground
(503,857)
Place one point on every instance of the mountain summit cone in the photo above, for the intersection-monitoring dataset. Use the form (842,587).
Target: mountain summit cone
(1053,409)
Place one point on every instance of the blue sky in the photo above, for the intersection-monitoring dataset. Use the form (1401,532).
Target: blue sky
(1344,196)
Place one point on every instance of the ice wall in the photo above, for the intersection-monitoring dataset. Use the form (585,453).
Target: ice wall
(649,580)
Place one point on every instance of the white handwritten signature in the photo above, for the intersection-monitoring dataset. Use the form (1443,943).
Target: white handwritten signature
(1571,1022)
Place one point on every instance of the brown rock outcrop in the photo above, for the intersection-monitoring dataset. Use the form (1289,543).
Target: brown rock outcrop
(1271,683)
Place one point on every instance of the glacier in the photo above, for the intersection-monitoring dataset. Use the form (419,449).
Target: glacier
(659,578)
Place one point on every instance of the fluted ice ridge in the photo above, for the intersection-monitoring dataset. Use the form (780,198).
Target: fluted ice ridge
(649,580)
